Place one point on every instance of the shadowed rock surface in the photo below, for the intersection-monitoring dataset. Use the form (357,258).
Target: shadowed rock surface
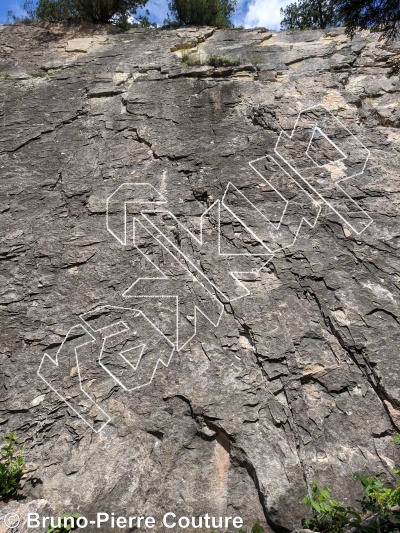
(296,381)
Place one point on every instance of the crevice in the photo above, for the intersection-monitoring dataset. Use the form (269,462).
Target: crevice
(247,332)
(296,437)
(356,355)
(240,458)
(79,114)
(164,157)
(157,434)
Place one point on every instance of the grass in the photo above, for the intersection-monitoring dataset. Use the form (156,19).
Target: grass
(191,59)
(223,61)
(256,60)
(36,74)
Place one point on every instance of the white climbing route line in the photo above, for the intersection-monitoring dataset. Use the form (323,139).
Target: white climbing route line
(310,168)
(191,297)
(63,375)
(328,186)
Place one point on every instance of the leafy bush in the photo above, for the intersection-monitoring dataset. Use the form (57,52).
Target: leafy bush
(327,514)
(382,501)
(11,465)
(396,439)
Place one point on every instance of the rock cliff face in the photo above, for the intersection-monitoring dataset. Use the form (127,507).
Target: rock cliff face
(255,305)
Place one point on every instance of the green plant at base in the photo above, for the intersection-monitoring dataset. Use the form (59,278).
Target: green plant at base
(68,527)
(382,501)
(396,439)
(11,465)
(328,515)
(255,529)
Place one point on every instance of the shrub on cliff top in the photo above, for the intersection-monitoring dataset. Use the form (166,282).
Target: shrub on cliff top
(377,15)
(310,14)
(77,11)
(202,12)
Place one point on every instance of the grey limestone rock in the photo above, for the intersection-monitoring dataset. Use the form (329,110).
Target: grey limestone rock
(13,516)
(286,375)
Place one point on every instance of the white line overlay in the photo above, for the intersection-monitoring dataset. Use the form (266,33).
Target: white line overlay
(312,166)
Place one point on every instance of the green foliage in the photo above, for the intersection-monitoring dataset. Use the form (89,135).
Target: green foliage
(191,58)
(78,11)
(382,501)
(51,10)
(202,12)
(327,514)
(11,465)
(143,21)
(255,529)
(67,523)
(396,439)
(256,60)
(379,501)
(379,15)
(36,74)
(310,14)
(223,61)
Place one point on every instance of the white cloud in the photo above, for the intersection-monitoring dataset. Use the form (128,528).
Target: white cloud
(158,10)
(265,13)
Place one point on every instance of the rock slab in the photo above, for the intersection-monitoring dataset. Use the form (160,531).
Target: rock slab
(288,371)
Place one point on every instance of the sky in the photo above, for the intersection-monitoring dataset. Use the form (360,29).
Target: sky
(249,13)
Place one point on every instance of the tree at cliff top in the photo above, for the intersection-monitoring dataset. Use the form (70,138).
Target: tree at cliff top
(310,14)
(202,12)
(95,11)
(379,15)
